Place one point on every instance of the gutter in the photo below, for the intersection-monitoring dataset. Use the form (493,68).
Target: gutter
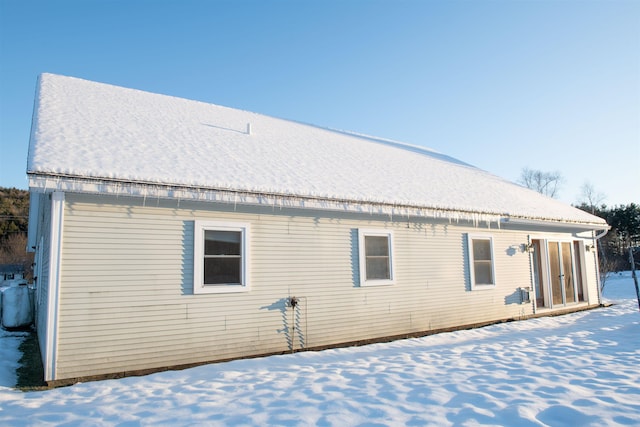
(558,224)
(47,182)
(41,182)
(602,234)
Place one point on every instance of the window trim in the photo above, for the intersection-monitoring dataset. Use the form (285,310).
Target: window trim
(472,273)
(199,229)
(362,233)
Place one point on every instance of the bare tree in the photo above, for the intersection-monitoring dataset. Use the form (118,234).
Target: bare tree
(547,183)
(606,268)
(591,197)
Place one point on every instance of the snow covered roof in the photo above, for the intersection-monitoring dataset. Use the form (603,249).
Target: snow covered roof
(89,136)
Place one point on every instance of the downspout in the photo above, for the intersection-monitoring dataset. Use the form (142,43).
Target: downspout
(53,303)
(32,227)
(595,239)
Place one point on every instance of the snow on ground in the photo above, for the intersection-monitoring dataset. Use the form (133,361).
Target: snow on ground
(9,357)
(573,370)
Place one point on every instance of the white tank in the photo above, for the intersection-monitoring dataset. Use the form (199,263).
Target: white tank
(17,310)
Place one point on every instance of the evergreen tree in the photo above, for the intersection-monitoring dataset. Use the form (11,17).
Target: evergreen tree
(14,211)
(624,234)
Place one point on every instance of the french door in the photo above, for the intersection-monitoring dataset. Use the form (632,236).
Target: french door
(557,268)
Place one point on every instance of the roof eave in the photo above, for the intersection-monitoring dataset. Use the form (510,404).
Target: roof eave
(47,182)
(583,226)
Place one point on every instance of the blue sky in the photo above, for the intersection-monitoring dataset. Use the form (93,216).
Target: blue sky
(503,85)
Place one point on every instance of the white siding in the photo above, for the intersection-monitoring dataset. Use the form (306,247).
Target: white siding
(127,304)
(591,271)
(41,306)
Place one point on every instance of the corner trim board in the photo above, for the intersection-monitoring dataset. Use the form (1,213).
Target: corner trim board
(53,285)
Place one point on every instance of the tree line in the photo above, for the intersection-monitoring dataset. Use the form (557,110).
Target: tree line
(623,235)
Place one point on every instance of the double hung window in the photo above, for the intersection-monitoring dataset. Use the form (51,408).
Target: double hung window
(376,257)
(481,263)
(220,257)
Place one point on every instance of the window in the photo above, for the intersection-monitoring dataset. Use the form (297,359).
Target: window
(481,262)
(376,258)
(220,257)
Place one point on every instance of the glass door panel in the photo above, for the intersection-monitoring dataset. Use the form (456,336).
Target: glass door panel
(567,271)
(555,270)
(579,285)
(537,274)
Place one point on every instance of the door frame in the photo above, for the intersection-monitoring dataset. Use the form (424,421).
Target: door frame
(543,276)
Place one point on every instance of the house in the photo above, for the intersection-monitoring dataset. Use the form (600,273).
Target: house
(171,233)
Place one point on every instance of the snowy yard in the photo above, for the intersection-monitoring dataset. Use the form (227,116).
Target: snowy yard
(573,370)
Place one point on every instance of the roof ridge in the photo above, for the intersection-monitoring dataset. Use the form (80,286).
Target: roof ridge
(403,145)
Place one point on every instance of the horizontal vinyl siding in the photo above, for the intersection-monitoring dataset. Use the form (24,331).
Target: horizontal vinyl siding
(44,230)
(127,303)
